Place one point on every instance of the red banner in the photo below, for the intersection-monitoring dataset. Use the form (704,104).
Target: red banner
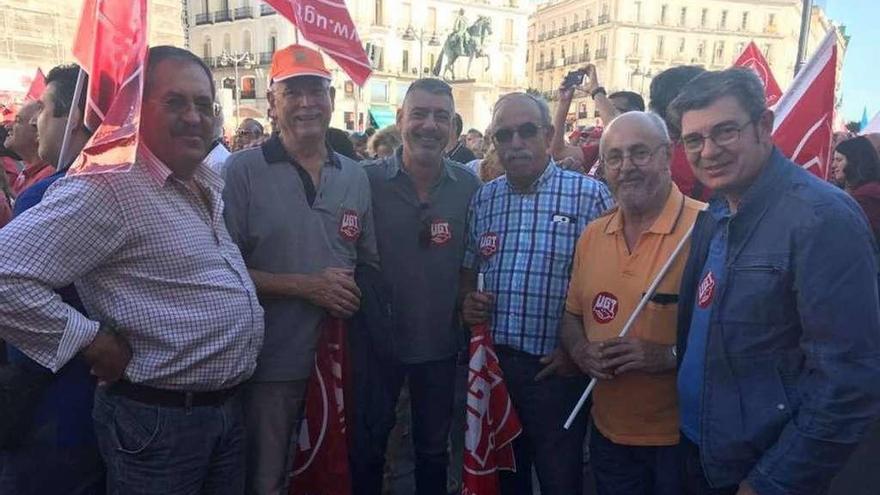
(327,24)
(752,58)
(38,85)
(321,461)
(805,113)
(111,46)
(492,423)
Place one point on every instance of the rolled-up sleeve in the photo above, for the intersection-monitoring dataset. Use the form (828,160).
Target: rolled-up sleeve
(77,227)
(835,278)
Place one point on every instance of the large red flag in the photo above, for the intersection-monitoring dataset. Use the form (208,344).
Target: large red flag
(38,85)
(328,24)
(752,58)
(492,423)
(805,113)
(111,46)
(321,459)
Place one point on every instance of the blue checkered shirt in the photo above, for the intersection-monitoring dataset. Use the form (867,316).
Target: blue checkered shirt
(524,244)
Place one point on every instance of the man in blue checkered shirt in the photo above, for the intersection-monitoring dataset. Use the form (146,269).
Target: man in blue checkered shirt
(521,236)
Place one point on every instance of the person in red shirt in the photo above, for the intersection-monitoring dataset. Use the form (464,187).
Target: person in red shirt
(23,141)
(857,166)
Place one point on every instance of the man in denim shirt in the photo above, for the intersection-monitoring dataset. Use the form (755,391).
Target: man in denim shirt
(779,326)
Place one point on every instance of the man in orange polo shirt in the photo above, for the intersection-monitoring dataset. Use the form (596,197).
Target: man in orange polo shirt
(23,141)
(635,416)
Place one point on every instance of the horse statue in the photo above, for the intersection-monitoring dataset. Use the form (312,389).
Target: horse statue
(473,48)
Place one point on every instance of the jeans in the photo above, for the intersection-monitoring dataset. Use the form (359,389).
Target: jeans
(377,386)
(633,470)
(152,449)
(691,470)
(556,453)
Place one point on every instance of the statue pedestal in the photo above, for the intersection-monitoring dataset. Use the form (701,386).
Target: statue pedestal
(474,101)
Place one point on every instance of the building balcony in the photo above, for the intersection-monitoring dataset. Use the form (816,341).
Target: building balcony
(601,54)
(571,60)
(222,16)
(604,19)
(266,9)
(265,58)
(210,61)
(202,19)
(574,27)
(630,57)
(586,24)
(244,13)
(584,58)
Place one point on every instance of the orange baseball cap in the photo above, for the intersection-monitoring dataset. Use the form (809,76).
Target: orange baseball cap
(295,61)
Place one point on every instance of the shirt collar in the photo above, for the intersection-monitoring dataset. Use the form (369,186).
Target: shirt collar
(273,151)
(664,224)
(32,169)
(161,173)
(395,167)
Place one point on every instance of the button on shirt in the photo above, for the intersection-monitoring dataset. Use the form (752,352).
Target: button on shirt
(150,258)
(284,224)
(422,246)
(690,372)
(607,283)
(524,244)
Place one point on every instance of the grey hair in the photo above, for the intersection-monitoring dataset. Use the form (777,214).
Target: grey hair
(652,118)
(541,103)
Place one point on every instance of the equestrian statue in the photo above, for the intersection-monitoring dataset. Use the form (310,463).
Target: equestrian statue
(464,41)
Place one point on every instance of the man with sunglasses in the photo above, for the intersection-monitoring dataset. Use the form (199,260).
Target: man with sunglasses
(779,325)
(633,442)
(521,236)
(301,215)
(420,205)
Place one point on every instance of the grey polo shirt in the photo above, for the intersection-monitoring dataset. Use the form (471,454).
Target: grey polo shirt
(284,224)
(422,247)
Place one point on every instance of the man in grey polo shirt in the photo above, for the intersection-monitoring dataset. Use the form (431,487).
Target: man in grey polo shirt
(420,204)
(301,215)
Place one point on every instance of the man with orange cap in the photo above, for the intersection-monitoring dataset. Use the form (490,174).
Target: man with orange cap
(301,215)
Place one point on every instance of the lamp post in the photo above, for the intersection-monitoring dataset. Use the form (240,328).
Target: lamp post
(246,59)
(412,34)
(645,74)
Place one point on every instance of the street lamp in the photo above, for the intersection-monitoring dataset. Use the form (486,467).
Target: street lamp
(411,34)
(246,59)
(645,74)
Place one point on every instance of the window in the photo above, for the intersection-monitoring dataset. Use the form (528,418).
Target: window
(552,57)
(723,23)
(379,91)
(682,17)
(207,48)
(718,54)
(661,42)
(378,10)
(248,87)
(273,41)
(404,63)
(246,43)
(603,42)
(401,88)
(701,50)
(744,25)
(681,45)
(704,17)
(663,10)
(586,48)
(374,53)
(740,47)
(349,121)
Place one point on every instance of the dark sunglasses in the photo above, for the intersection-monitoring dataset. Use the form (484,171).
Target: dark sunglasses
(525,131)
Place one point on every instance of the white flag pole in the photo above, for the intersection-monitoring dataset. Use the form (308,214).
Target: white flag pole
(632,318)
(65,143)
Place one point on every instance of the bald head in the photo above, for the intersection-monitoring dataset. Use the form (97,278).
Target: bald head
(643,123)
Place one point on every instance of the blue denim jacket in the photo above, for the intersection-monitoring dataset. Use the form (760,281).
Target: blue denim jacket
(792,373)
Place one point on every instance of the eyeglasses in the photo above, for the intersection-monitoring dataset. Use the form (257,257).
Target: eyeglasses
(525,131)
(638,155)
(722,135)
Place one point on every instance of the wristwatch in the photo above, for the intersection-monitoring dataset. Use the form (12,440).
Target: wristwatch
(596,91)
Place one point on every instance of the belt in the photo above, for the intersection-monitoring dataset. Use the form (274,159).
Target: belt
(170,398)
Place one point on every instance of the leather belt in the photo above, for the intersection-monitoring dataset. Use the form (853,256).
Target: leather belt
(170,398)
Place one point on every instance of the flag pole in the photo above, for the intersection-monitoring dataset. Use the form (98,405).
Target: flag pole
(68,128)
(632,318)
(806,17)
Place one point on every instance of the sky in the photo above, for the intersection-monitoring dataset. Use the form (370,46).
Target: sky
(861,67)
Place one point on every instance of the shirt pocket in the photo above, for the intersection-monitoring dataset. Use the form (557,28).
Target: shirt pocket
(658,320)
(758,291)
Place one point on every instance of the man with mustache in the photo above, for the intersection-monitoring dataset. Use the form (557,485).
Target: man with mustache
(301,215)
(174,325)
(420,203)
(633,442)
(779,324)
(521,236)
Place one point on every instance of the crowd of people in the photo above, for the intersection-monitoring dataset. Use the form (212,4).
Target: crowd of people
(161,323)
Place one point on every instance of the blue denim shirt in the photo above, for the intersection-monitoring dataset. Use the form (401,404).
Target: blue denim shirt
(791,379)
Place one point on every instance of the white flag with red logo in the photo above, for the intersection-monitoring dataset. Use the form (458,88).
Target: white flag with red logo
(328,24)
(320,465)
(492,423)
(803,128)
(752,58)
(111,46)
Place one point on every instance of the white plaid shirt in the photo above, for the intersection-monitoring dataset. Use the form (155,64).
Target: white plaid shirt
(148,258)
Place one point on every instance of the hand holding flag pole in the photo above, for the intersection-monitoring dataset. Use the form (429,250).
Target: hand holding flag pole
(632,319)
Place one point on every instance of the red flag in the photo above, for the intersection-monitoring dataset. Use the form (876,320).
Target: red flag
(38,85)
(752,58)
(111,46)
(805,113)
(492,423)
(328,24)
(321,461)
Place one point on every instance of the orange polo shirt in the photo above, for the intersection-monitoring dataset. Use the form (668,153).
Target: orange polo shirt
(607,282)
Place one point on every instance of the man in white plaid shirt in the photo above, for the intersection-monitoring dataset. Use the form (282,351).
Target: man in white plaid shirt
(522,232)
(174,323)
